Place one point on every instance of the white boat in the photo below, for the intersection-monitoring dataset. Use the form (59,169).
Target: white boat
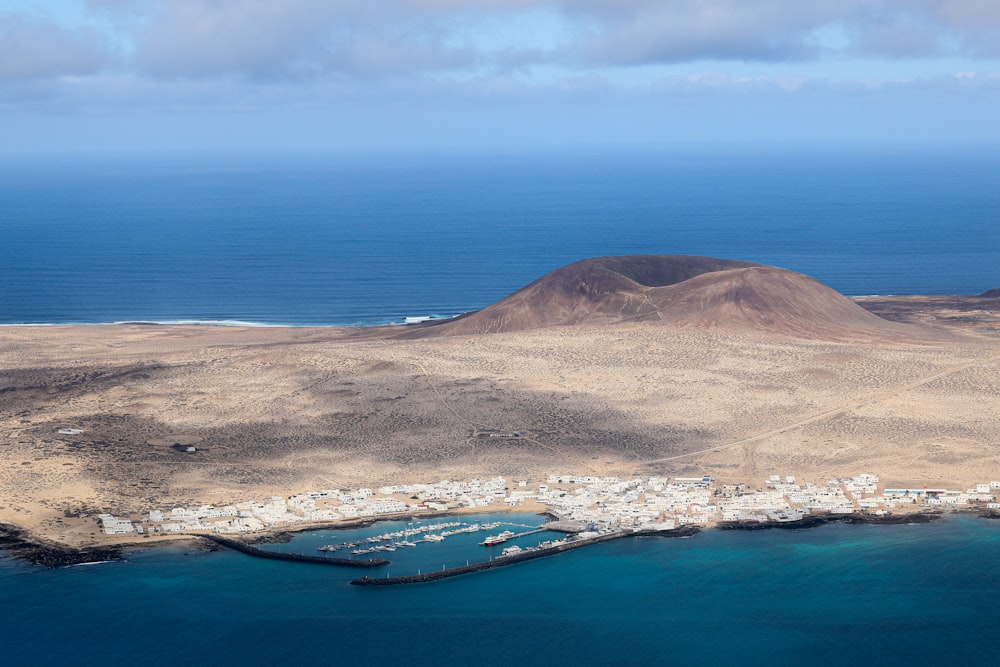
(500,538)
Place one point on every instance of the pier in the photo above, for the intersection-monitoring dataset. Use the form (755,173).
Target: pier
(524,556)
(245,548)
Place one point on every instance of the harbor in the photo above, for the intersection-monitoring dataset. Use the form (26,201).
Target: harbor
(432,533)
(513,555)
(565,512)
(441,544)
(450,548)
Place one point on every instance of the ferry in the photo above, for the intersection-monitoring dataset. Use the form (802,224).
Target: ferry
(494,540)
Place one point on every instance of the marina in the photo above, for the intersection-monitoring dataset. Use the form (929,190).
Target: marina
(443,544)
(432,532)
(516,554)
(454,546)
(507,535)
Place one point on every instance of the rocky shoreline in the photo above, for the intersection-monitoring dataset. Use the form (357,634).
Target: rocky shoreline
(20,544)
(815,520)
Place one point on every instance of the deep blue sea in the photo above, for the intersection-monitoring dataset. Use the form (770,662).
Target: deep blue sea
(835,595)
(372,240)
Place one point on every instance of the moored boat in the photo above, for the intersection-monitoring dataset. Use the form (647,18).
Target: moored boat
(499,538)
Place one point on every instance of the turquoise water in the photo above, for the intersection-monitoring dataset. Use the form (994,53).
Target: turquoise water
(886,595)
(455,550)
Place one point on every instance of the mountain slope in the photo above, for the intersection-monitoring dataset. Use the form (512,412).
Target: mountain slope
(678,291)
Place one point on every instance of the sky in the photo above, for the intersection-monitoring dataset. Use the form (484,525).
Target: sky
(164,76)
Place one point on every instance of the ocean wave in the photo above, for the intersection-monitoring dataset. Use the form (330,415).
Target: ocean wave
(235,323)
(206,323)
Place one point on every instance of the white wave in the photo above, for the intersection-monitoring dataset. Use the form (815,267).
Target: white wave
(417,319)
(207,323)
(231,323)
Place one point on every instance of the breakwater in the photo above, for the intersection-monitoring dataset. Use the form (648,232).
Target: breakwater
(524,556)
(245,548)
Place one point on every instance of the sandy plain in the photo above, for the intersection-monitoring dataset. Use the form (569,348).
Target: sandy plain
(275,411)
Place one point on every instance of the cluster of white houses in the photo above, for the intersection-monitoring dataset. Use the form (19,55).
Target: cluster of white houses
(661,503)
(314,507)
(658,503)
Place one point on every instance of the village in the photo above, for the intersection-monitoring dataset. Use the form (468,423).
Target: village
(601,503)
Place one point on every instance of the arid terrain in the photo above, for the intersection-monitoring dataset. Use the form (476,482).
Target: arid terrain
(746,389)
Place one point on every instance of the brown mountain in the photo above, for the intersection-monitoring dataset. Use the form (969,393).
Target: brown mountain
(678,291)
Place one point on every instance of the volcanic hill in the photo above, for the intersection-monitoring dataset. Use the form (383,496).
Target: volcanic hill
(679,290)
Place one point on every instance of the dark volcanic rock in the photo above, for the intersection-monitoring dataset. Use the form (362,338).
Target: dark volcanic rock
(21,545)
(814,520)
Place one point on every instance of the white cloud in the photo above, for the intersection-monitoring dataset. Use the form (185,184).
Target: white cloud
(295,39)
(253,54)
(38,48)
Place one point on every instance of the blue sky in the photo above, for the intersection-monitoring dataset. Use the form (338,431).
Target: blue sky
(93,76)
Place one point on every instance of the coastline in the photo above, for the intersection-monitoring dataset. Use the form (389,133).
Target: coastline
(19,543)
(22,544)
(816,520)
(885,303)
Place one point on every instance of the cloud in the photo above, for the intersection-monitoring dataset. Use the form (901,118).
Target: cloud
(307,39)
(294,39)
(924,28)
(254,54)
(691,30)
(642,32)
(255,38)
(38,48)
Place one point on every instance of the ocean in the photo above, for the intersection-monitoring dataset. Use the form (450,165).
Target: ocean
(833,595)
(372,240)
